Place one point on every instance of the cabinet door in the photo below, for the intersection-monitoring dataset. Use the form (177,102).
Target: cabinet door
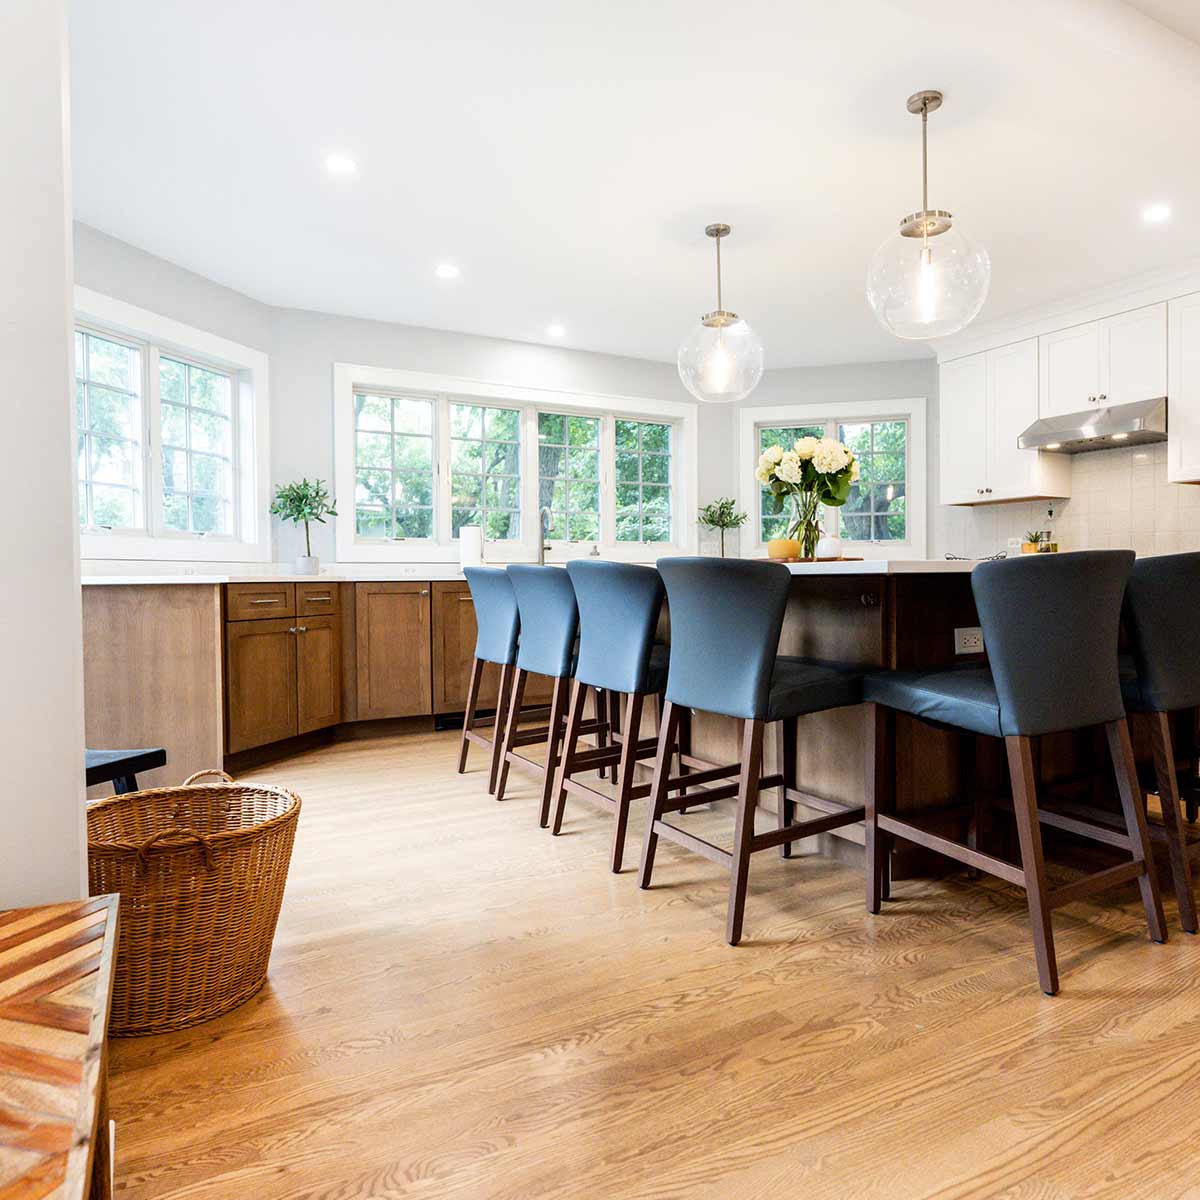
(454,650)
(1133,355)
(1070,369)
(318,672)
(260,682)
(393,654)
(1183,408)
(1012,408)
(962,403)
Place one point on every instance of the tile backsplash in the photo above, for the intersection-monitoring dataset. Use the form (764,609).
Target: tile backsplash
(1121,500)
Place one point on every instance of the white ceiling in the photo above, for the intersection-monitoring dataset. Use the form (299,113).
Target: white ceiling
(567,155)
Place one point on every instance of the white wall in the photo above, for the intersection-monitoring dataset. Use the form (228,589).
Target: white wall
(41,703)
(303,346)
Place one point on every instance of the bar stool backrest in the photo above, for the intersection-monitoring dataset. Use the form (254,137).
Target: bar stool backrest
(495,614)
(1050,626)
(619,606)
(1162,618)
(726,617)
(549,619)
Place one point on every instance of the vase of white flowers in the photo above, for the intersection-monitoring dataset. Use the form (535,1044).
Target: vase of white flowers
(813,472)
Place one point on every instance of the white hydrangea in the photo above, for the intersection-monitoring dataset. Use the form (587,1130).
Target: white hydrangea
(804,447)
(763,474)
(830,456)
(789,469)
(772,454)
(855,471)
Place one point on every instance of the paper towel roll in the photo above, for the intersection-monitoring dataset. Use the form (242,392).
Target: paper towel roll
(470,545)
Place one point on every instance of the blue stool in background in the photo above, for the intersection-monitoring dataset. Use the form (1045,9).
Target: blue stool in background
(549,630)
(497,624)
(726,618)
(619,607)
(1161,675)
(1050,625)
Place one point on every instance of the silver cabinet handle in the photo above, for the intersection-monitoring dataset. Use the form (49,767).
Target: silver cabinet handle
(274,600)
(318,599)
(466,599)
(292,630)
(424,591)
(301,628)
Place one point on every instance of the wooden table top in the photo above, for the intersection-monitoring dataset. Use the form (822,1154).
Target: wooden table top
(56,968)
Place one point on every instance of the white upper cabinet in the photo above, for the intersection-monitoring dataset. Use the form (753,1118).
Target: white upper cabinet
(1183,390)
(1113,361)
(986,402)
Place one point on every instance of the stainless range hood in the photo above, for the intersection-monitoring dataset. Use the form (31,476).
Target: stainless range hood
(1107,428)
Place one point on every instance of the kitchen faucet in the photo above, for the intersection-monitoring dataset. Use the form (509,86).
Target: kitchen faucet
(543,529)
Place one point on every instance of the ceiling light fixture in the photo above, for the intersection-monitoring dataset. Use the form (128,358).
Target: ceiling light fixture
(447,271)
(721,359)
(920,288)
(1119,437)
(1052,446)
(340,164)
(1156,214)
(555,330)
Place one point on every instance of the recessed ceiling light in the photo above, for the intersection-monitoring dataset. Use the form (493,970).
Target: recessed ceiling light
(1119,437)
(1156,214)
(447,271)
(555,330)
(340,164)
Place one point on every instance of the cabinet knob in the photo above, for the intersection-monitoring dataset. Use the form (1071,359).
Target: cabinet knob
(301,628)
(979,491)
(292,629)
(1102,396)
(424,591)
(988,490)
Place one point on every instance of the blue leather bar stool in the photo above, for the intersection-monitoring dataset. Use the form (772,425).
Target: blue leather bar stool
(1050,625)
(619,607)
(549,630)
(726,618)
(1161,675)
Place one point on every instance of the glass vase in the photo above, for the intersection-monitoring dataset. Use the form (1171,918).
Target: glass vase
(806,526)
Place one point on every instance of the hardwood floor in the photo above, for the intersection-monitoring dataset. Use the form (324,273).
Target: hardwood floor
(461,1006)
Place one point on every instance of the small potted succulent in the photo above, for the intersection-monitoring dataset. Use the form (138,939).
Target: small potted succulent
(722,514)
(304,502)
(1033,542)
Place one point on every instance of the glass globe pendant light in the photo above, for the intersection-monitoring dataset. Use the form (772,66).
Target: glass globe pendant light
(721,359)
(931,280)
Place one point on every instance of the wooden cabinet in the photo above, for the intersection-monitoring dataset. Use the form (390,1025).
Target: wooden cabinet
(316,599)
(1183,383)
(283,676)
(454,650)
(986,402)
(393,659)
(1114,361)
(260,682)
(259,601)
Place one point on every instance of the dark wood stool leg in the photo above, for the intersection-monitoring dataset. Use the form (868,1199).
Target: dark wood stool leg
(566,764)
(554,746)
(615,723)
(633,726)
(875,844)
(1024,791)
(743,836)
(1135,824)
(469,713)
(789,747)
(502,695)
(668,724)
(510,729)
(966,779)
(1168,796)
(124,784)
(601,709)
(684,741)
(1192,798)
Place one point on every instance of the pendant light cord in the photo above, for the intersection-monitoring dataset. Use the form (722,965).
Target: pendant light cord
(719,305)
(924,177)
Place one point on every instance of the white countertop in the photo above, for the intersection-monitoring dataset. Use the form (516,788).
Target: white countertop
(363,573)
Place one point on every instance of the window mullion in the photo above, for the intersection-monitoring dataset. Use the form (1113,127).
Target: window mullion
(152,435)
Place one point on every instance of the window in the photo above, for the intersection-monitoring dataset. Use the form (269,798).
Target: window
(643,481)
(108,399)
(569,476)
(775,525)
(876,509)
(196,415)
(485,470)
(394,479)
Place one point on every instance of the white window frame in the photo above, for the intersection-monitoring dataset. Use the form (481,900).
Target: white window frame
(350,377)
(911,409)
(250,540)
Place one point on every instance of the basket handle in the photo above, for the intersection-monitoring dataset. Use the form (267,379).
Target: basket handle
(207,771)
(179,831)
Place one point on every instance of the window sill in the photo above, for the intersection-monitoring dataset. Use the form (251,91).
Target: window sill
(142,548)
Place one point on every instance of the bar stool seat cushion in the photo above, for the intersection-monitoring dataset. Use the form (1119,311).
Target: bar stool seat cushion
(964,698)
(806,685)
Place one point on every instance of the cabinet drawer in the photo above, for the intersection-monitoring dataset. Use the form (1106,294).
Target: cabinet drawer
(255,601)
(316,599)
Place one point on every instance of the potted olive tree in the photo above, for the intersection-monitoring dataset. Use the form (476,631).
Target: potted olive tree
(722,514)
(304,502)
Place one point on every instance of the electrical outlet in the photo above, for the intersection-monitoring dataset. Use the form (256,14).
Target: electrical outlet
(968,641)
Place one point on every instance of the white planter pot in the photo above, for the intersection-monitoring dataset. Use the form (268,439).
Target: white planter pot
(829,547)
(308,565)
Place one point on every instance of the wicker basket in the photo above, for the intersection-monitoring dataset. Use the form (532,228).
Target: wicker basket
(201,870)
